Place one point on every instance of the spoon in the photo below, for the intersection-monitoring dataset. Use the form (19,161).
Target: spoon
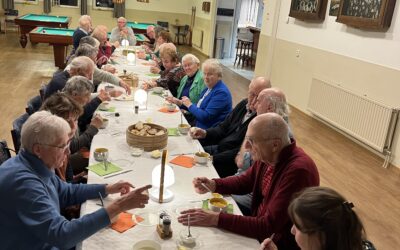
(181,118)
(104,161)
(204,185)
(189,234)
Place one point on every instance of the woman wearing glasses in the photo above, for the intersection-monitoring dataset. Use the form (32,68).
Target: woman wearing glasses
(34,195)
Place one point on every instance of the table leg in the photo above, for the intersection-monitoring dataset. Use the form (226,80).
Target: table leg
(179,31)
(59,55)
(23,40)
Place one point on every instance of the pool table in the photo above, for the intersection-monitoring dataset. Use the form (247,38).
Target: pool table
(60,39)
(30,21)
(139,28)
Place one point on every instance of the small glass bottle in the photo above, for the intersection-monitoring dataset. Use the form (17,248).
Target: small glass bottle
(166,226)
(162,214)
(136,109)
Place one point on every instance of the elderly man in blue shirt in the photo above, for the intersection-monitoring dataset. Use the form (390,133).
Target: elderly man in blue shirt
(32,195)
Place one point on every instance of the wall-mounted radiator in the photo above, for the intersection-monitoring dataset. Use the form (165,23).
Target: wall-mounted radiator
(197,38)
(366,120)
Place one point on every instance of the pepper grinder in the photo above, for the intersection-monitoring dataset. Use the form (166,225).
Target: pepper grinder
(164,226)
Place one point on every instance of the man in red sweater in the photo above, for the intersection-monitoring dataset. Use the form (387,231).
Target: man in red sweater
(280,170)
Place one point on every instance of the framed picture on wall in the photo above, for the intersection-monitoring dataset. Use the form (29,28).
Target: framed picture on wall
(366,14)
(308,9)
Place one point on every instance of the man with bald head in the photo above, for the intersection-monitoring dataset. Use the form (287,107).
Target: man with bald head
(151,35)
(271,100)
(122,32)
(223,142)
(280,170)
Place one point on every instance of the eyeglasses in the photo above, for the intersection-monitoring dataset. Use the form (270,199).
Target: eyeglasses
(251,140)
(63,147)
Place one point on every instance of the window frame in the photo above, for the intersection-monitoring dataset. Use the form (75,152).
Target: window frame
(101,8)
(70,6)
(34,2)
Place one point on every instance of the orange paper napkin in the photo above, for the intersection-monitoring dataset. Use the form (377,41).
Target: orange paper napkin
(124,222)
(165,110)
(184,161)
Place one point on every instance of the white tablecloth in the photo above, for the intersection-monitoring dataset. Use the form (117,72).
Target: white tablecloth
(114,138)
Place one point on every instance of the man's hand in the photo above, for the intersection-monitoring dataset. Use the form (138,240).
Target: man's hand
(104,96)
(198,183)
(137,198)
(121,187)
(115,93)
(198,133)
(199,217)
(97,121)
(125,86)
(268,244)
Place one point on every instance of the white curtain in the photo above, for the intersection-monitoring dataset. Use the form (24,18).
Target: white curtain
(248,13)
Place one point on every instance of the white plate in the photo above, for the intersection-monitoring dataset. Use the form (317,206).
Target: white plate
(149,218)
(124,97)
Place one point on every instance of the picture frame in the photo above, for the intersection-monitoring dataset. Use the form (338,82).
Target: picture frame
(367,14)
(308,10)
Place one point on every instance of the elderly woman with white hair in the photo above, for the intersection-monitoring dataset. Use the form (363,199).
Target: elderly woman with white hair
(191,85)
(215,101)
(122,32)
(35,195)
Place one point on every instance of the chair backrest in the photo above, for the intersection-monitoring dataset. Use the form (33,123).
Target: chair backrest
(33,104)
(16,131)
(5,153)
(186,29)
(10,15)
(163,24)
(11,12)
(42,92)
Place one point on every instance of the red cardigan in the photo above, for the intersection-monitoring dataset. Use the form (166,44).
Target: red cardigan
(294,171)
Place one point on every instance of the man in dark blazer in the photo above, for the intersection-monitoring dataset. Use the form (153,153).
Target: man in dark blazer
(84,29)
(223,141)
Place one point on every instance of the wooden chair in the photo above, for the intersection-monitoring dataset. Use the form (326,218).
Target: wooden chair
(244,52)
(9,20)
(16,140)
(182,34)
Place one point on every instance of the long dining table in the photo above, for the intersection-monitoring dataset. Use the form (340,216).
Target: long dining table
(113,137)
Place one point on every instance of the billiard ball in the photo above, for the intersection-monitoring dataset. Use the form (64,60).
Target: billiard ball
(43,31)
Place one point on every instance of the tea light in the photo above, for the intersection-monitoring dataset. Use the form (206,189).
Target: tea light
(125,43)
(136,151)
(131,57)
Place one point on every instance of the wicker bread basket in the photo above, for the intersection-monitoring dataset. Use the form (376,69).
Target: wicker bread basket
(131,79)
(149,143)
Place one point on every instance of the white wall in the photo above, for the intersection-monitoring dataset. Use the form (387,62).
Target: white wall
(174,6)
(381,48)
(365,62)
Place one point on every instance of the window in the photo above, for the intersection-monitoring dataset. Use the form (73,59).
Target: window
(248,13)
(69,3)
(27,1)
(103,4)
